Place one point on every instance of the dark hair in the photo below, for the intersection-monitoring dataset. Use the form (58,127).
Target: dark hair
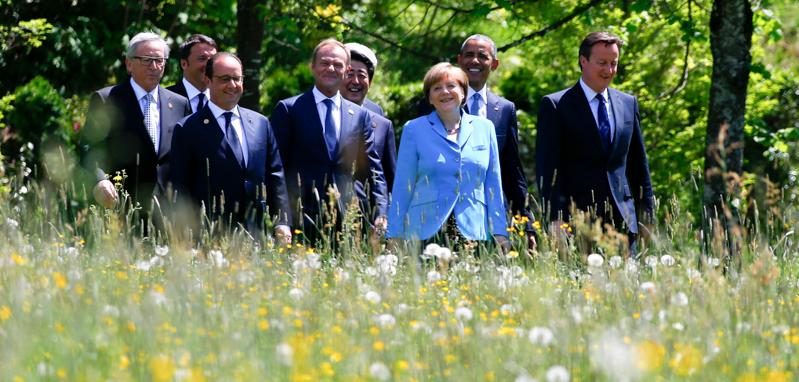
(370,69)
(209,66)
(596,37)
(185,48)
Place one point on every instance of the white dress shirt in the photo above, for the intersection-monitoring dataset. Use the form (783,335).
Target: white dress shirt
(154,109)
(593,102)
(192,93)
(483,112)
(235,120)
(321,108)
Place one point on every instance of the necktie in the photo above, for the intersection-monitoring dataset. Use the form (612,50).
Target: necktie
(476,105)
(233,139)
(200,101)
(330,129)
(149,120)
(603,123)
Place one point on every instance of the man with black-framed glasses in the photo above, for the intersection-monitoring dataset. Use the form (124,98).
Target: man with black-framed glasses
(129,130)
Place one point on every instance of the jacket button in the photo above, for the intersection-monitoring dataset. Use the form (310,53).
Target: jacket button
(457,160)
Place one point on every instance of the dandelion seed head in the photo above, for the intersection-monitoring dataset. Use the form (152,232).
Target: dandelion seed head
(557,374)
(595,260)
(463,313)
(379,371)
(541,336)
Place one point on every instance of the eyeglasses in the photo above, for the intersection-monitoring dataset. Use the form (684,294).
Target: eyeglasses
(147,60)
(227,79)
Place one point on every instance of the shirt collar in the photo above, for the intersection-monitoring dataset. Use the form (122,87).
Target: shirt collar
(482,93)
(590,94)
(218,111)
(319,97)
(192,91)
(140,92)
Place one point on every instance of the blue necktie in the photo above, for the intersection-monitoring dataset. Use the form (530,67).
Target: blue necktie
(476,104)
(233,139)
(603,123)
(330,129)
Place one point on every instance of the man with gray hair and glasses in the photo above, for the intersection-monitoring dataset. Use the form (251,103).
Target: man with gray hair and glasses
(128,130)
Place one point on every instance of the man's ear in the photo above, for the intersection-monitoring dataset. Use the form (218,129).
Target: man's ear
(207,81)
(184,64)
(494,65)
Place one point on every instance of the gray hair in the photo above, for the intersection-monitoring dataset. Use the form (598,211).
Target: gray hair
(482,37)
(145,37)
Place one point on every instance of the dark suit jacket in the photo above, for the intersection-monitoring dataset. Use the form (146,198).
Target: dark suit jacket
(502,113)
(179,88)
(571,165)
(115,139)
(204,167)
(309,168)
(373,107)
(385,142)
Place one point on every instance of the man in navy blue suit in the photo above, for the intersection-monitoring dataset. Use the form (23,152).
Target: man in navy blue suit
(226,152)
(478,58)
(129,129)
(355,88)
(590,149)
(327,143)
(194,54)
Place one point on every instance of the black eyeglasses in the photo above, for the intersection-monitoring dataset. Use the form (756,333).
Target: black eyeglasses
(226,79)
(147,60)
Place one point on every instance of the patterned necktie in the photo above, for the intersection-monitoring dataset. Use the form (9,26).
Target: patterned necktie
(149,120)
(200,101)
(603,123)
(330,129)
(233,139)
(476,105)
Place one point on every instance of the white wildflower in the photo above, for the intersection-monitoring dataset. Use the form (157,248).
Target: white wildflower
(156,261)
(219,259)
(370,271)
(430,251)
(714,262)
(296,293)
(507,309)
(404,308)
(615,261)
(142,265)
(380,371)
(667,260)
(444,253)
(161,250)
(341,275)
(557,374)
(314,261)
(595,260)
(648,286)
(631,268)
(433,276)
(651,261)
(693,273)
(541,336)
(463,313)
(384,320)
(680,299)
(373,297)
(285,354)
(677,326)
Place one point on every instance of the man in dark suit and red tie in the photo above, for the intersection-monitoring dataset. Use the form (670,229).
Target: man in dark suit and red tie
(355,88)
(590,149)
(194,54)
(478,58)
(327,142)
(129,128)
(226,150)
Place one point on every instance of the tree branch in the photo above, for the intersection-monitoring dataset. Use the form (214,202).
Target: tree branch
(577,11)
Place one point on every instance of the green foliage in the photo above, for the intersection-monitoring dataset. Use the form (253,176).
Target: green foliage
(282,83)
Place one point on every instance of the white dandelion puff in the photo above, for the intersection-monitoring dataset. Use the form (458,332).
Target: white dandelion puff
(557,374)
(379,371)
(541,336)
(595,260)
(463,313)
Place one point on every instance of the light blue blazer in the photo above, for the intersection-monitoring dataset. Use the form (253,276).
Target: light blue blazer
(437,177)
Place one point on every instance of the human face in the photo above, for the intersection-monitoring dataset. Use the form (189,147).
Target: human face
(226,96)
(599,70)
(356,83)
(148,77)
(477,62)
(446,96)
(329,69)
(194,66)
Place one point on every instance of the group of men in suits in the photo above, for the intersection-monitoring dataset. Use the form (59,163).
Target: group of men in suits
(332,147)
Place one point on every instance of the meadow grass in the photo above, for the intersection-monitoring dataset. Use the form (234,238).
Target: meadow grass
(83,300)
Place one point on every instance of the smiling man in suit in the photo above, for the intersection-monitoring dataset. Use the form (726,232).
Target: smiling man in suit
(129,128)
(590,149)
(224,151)
(355,88)
(194,54)
(326,141)
(478,58)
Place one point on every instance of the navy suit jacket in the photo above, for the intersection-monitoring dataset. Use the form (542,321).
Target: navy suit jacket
(204,167)
(571,165)
(115,139)
(502,113)
(179,88)
(437,178)
(385,142)
(309,167)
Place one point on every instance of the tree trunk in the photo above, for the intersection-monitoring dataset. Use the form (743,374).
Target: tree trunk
(250,37)
(730,42)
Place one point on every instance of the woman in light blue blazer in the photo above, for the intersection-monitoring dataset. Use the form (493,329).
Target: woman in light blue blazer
(448,177)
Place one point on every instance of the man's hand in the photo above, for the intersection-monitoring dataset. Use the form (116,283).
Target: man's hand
(283,234)
(381,225)
(503,242)
(531,243)
(105,193)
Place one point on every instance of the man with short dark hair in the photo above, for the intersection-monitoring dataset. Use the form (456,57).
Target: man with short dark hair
(194,54)
(326,143)
(226,158)
(355,88)
(590,148)
(129,128)
(478,58)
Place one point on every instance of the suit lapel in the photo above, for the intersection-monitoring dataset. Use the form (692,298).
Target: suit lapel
(436,124)
(312,123)
(347,124)
(466,129)
(251,136)
(618,115)
(169,116)
(492,108)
